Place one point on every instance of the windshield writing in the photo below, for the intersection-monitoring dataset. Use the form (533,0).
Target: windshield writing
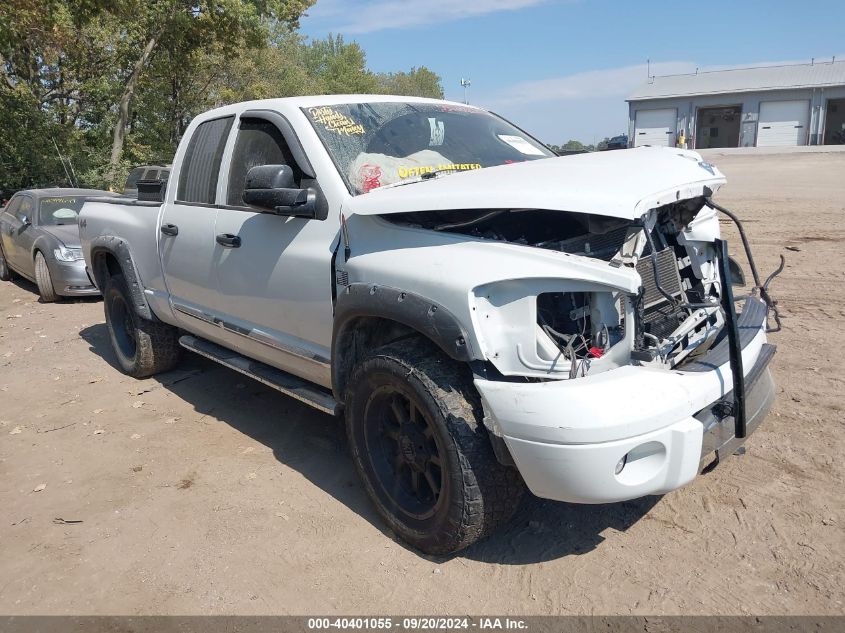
(379,144)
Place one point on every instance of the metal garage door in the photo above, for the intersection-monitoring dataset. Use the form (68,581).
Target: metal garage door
(783,123)
(655,127)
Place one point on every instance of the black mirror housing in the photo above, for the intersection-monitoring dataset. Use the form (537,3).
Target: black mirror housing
(272,188)
(270,177)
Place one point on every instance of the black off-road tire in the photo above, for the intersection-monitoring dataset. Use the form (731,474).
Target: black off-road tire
(479,494)
(43,279)
(6,272)
(142,347)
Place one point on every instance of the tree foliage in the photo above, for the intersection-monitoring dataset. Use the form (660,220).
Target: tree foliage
(573,147)
(108,84)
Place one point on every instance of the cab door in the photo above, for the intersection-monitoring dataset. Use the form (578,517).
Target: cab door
(186,229)
(274,272)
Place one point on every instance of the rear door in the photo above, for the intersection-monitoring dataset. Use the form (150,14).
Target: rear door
(783,123)
(655,127)
(186,228)
(275,287)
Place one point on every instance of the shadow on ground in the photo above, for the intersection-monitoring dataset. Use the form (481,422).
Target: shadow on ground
(314,444)
(29,286)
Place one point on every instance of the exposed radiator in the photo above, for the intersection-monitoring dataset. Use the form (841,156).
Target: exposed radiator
(659,317)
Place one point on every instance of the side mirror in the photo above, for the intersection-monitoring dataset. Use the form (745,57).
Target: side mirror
(26,221)
(273,188)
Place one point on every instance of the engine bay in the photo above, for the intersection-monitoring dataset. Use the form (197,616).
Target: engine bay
(675,317)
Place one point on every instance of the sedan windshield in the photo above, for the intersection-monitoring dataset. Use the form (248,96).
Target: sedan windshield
(59,210)
(378,144)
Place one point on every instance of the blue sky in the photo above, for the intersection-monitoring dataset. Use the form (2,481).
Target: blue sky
(561,69)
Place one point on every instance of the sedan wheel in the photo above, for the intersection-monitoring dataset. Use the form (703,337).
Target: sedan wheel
(43,279)
(6,273)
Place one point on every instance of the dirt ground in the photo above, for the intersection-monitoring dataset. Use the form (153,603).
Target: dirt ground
(200,491)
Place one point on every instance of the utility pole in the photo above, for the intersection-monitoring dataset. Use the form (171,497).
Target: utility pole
(465,83)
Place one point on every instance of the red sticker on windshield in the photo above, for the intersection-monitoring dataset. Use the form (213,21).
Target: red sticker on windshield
(370,177)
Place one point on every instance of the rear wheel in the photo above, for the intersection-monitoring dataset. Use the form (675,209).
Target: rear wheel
(6,273)
(142,347)
(416,437)
(43,279)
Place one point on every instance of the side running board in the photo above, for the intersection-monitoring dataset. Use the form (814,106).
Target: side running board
(288,384)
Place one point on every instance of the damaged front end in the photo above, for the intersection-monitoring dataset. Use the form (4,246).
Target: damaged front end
(654,294)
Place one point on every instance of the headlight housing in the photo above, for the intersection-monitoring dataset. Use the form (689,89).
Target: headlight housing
(553,328)
(64,254)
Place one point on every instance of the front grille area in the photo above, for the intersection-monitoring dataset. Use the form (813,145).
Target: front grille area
(659,317)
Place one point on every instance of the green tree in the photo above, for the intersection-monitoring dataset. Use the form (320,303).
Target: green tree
(184,27)
(109,84)
(418,82)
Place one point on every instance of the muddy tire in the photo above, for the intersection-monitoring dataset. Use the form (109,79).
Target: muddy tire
(6,273)
(417,439)
(43,279)
(142,347)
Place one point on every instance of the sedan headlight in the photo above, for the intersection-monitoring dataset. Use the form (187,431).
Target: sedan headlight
(63,254)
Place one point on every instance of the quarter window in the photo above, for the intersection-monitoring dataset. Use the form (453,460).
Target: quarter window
(201,165)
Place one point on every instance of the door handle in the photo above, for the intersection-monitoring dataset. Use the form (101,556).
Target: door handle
(170,229)
(228,240)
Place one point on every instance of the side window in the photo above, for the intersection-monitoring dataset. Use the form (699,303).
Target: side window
(12,207)
(259,142)
(24,209)
(201,164)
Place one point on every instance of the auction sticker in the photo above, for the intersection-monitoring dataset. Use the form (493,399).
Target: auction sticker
(521,145)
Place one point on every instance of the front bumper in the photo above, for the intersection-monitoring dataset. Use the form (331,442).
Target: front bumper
(71,280)
(569,438)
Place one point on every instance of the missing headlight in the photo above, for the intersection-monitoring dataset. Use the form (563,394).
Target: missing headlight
(582,325)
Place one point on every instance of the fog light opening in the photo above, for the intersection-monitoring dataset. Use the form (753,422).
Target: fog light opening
(620,465)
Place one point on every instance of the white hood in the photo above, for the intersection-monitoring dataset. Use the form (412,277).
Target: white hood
(621,184)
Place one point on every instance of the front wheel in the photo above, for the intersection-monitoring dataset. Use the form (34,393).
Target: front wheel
(142,347)
(44,280)
(418,443)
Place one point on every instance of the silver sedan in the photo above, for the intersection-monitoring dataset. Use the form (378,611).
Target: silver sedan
(39,240)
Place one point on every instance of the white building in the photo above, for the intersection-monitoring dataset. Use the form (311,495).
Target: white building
(800,104)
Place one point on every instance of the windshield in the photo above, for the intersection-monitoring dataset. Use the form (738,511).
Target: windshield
(378,144)
(59,210)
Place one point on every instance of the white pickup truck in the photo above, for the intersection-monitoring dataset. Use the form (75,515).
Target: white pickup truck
(486,315)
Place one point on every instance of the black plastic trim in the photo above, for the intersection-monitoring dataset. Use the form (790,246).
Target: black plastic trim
(734,343)
(120,250)
(749,323)
(414,311)
(426,316)
(717,419)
